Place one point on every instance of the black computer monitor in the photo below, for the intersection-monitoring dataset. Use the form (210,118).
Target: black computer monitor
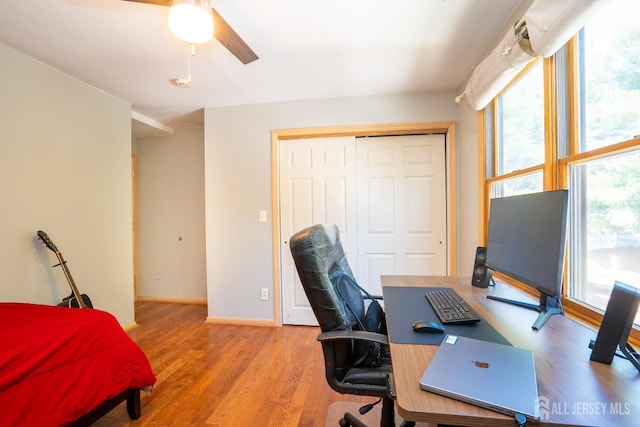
(527,242)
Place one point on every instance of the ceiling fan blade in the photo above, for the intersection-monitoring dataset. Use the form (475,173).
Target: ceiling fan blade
(222,31)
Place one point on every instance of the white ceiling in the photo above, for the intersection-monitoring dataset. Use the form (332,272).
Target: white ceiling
(308,49)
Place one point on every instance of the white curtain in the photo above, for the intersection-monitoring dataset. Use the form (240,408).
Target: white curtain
(545,27)
(551,23)
(497,70)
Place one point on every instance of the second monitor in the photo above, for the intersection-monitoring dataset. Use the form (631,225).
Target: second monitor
(527,242)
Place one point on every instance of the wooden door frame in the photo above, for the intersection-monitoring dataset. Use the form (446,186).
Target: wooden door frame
(446,128)
(134,202)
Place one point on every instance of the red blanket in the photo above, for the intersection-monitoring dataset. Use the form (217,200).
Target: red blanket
(57,364)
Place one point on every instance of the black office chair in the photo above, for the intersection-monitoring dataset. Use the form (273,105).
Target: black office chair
(353,338)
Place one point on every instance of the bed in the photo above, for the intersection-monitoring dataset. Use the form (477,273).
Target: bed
(65,366)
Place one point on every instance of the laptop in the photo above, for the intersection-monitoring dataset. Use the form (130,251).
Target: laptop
(493,376)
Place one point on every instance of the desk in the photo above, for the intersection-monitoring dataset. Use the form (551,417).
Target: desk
(573,390)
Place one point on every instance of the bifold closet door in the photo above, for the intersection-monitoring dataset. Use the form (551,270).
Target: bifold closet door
(386,194)
(402,211)
(317,186)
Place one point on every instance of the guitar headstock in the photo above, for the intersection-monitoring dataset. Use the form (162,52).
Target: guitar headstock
(47,241)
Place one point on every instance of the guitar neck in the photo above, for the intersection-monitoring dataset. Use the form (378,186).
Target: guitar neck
(72,284)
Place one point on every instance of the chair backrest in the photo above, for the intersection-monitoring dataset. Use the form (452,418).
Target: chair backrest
(321,262)
(338,302)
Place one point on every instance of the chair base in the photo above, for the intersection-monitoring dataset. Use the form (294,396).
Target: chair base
(387,416)
(350,420)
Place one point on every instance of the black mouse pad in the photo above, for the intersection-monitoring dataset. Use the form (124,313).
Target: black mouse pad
(405,305)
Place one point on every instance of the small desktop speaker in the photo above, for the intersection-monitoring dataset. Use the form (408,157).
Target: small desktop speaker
(481,275)
(616,323)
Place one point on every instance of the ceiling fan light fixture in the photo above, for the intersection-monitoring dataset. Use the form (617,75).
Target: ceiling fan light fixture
(191,20)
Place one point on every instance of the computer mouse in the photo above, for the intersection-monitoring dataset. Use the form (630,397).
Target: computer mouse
(428,327)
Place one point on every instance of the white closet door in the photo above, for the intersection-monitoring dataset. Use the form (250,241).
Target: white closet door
(387,196)
(317,185)
(402,207)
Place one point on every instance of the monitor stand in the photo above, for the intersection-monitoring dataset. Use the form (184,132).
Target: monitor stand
(548,307)
(631,355)
(626,352)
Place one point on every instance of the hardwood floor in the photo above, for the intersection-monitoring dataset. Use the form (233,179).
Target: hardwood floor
(225,375)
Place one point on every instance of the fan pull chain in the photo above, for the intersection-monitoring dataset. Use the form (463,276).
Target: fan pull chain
(192,52)
(185,83)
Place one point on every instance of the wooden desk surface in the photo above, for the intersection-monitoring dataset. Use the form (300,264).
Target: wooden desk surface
(573,390)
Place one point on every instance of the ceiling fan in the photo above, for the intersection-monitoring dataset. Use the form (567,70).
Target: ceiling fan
(222,31)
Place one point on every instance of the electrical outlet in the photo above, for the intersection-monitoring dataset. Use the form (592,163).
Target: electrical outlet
(264,294)
(262,216)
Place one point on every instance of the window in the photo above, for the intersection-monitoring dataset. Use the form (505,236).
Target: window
(603,175)
(609,60)
(522,184)
(521,123)
(604,230)
(519,137)
(583,135)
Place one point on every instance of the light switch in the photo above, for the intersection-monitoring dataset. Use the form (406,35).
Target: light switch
(262,216)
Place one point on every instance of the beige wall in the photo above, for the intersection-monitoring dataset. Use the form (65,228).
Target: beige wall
(238,184)
(65,168)
(468,198)
(171,237)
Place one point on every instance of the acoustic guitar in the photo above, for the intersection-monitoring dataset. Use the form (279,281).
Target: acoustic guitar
(75,299)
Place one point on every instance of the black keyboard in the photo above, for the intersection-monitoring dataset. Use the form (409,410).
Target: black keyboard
(450,307)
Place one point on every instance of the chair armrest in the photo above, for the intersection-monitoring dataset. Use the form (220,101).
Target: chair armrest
(354,335)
